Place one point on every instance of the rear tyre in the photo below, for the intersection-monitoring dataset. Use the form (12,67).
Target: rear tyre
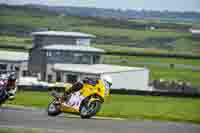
(53,109)
(88,110)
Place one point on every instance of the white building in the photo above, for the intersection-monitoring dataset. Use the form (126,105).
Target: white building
(12,61)
(195,32)
(123,77)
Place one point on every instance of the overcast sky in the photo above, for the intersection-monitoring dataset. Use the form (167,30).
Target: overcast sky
(172,5)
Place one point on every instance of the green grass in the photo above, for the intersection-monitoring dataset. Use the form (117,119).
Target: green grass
(37,18)
(21,17)
(141,59)
(187,45)
(15,40)
(165,23)
(176,74)
(151,50)
(13,43)
(147,107)
(131,34)
(35,99)
(9,130)
(159,72)
(131,107)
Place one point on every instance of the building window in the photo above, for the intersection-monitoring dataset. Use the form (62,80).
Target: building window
(83,41)
(77,58)
(24,73)
(85,59)
(68,57)
(77,54)
(50,77)
(3,66)
(49,53)
(72,78)
(96,59)
(11,67)
(58,77)
(58,53)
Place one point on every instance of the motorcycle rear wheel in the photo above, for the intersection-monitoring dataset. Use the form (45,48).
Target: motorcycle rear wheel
(88,111)
(53,109)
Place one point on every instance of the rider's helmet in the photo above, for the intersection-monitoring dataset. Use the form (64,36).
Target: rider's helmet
(107,81)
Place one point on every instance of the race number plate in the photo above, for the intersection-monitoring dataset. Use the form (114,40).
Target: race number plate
(75,100)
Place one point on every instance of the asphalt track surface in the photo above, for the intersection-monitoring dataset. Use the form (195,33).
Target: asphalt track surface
(38,119)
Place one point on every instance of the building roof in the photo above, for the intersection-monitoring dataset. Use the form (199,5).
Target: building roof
(94,69)
(62,33)
(195,31)
(13,56)
(73,48)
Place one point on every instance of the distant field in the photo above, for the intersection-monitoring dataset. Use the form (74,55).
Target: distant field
(166,23)
(13,43)
(131,107)
(164,40)
(131,33)
(17,21)
(15,40)
(157,51)
(192,62)
(9,130)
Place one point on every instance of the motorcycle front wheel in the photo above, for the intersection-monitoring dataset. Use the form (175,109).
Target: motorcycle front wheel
(3,96)
(53,109)
(88,110)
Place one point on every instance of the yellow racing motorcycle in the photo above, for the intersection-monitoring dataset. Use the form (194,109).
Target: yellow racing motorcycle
(86,102)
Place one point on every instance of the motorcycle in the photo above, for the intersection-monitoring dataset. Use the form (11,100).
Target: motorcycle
(85,102)
(7,89)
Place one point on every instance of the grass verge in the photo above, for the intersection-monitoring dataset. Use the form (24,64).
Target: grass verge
(131,107)
(9,130)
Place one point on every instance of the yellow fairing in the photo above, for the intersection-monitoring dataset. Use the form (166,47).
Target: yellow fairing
(98,89)
(89,90)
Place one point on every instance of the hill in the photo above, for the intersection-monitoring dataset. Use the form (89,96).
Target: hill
(174,37)
(123,14)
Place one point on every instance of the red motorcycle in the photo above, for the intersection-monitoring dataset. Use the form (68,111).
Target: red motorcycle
(7,87)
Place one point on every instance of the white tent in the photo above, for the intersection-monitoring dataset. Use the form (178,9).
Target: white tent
(135,78)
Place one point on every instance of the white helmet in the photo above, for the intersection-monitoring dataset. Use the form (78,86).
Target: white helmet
(107,81)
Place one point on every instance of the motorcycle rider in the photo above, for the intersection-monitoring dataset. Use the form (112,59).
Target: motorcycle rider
(8,83)
(11,85)
(107,80)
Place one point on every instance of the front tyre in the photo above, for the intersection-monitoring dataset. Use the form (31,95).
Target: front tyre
(53,109)
(3,96)
(88,110)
